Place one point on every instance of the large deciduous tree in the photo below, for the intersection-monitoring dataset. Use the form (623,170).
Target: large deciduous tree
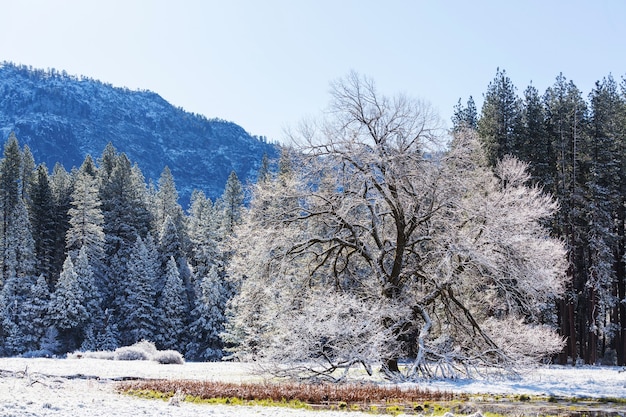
(432,251)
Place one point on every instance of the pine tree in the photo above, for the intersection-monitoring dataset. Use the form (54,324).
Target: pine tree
(232,200)
(86,226)
(500,119)
(110,338)
(61,185)
(124,207)
(89,167)
(604,200)
(170,247)
(264,170)
(42,223)
(18,325)
(619,315)
(106,163)
(35,313)
(535,145)
(169,242)
(19,267)
(20,244)
(167,201)
(208,318)
(86,217)
(203,227)
(138,317)
(10,194)
(566,120)
(91,295)
(28,173)
(465,117)
(123,198)
(67,310)
(172,311)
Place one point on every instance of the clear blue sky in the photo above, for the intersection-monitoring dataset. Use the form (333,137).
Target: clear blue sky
(266,64)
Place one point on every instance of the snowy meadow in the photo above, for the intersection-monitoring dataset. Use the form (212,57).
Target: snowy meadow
(71,387)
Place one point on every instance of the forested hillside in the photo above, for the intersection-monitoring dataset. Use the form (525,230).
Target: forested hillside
(62,118)
(96,259)
(576,147)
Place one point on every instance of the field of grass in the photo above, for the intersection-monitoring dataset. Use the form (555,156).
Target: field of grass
(371,398)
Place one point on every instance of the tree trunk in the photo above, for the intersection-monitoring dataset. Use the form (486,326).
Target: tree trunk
(391,366)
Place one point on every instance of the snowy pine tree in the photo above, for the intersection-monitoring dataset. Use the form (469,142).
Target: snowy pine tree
(203,229)
(232,202)
(61,185)
(67,310)
(86,218)
(138,316)
(91,300)
(35,316)
(167,202)
(208,317)
(172,310)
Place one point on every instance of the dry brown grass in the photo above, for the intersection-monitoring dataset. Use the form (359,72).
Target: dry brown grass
(314,394)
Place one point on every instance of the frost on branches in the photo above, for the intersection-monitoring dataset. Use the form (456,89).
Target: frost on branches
(371,246)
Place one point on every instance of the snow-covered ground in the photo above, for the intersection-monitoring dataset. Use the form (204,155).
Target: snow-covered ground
(64,387)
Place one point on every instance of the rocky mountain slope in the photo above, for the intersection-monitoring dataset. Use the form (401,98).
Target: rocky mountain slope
(63,118)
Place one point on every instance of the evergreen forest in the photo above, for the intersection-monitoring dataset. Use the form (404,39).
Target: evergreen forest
(96,258)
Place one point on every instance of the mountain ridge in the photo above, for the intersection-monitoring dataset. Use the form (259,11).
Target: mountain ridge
(64,118)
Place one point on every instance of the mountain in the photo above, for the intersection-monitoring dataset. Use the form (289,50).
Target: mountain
(63,118)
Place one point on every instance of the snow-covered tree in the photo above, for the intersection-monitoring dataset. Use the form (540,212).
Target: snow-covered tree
(67,310)
(378,213)
(61,185)
(10,195)
(208,319)
(169,242)
(123,195)
(167,201)
(28,174)
(138,315)
(124,198)
(86,233)
(232,202)
(35,315)
(203,226)
(173,310)
(91,298)
(86,218)
(170,246)
(109,339)
(20,246)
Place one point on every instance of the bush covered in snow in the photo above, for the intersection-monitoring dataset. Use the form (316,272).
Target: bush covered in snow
(168,357)
(140,351)
(130,353)
(99,354)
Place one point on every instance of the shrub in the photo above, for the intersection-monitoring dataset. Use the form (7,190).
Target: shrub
(148,347)
(130,353)
(168,357)
(100,354)
(140,351)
